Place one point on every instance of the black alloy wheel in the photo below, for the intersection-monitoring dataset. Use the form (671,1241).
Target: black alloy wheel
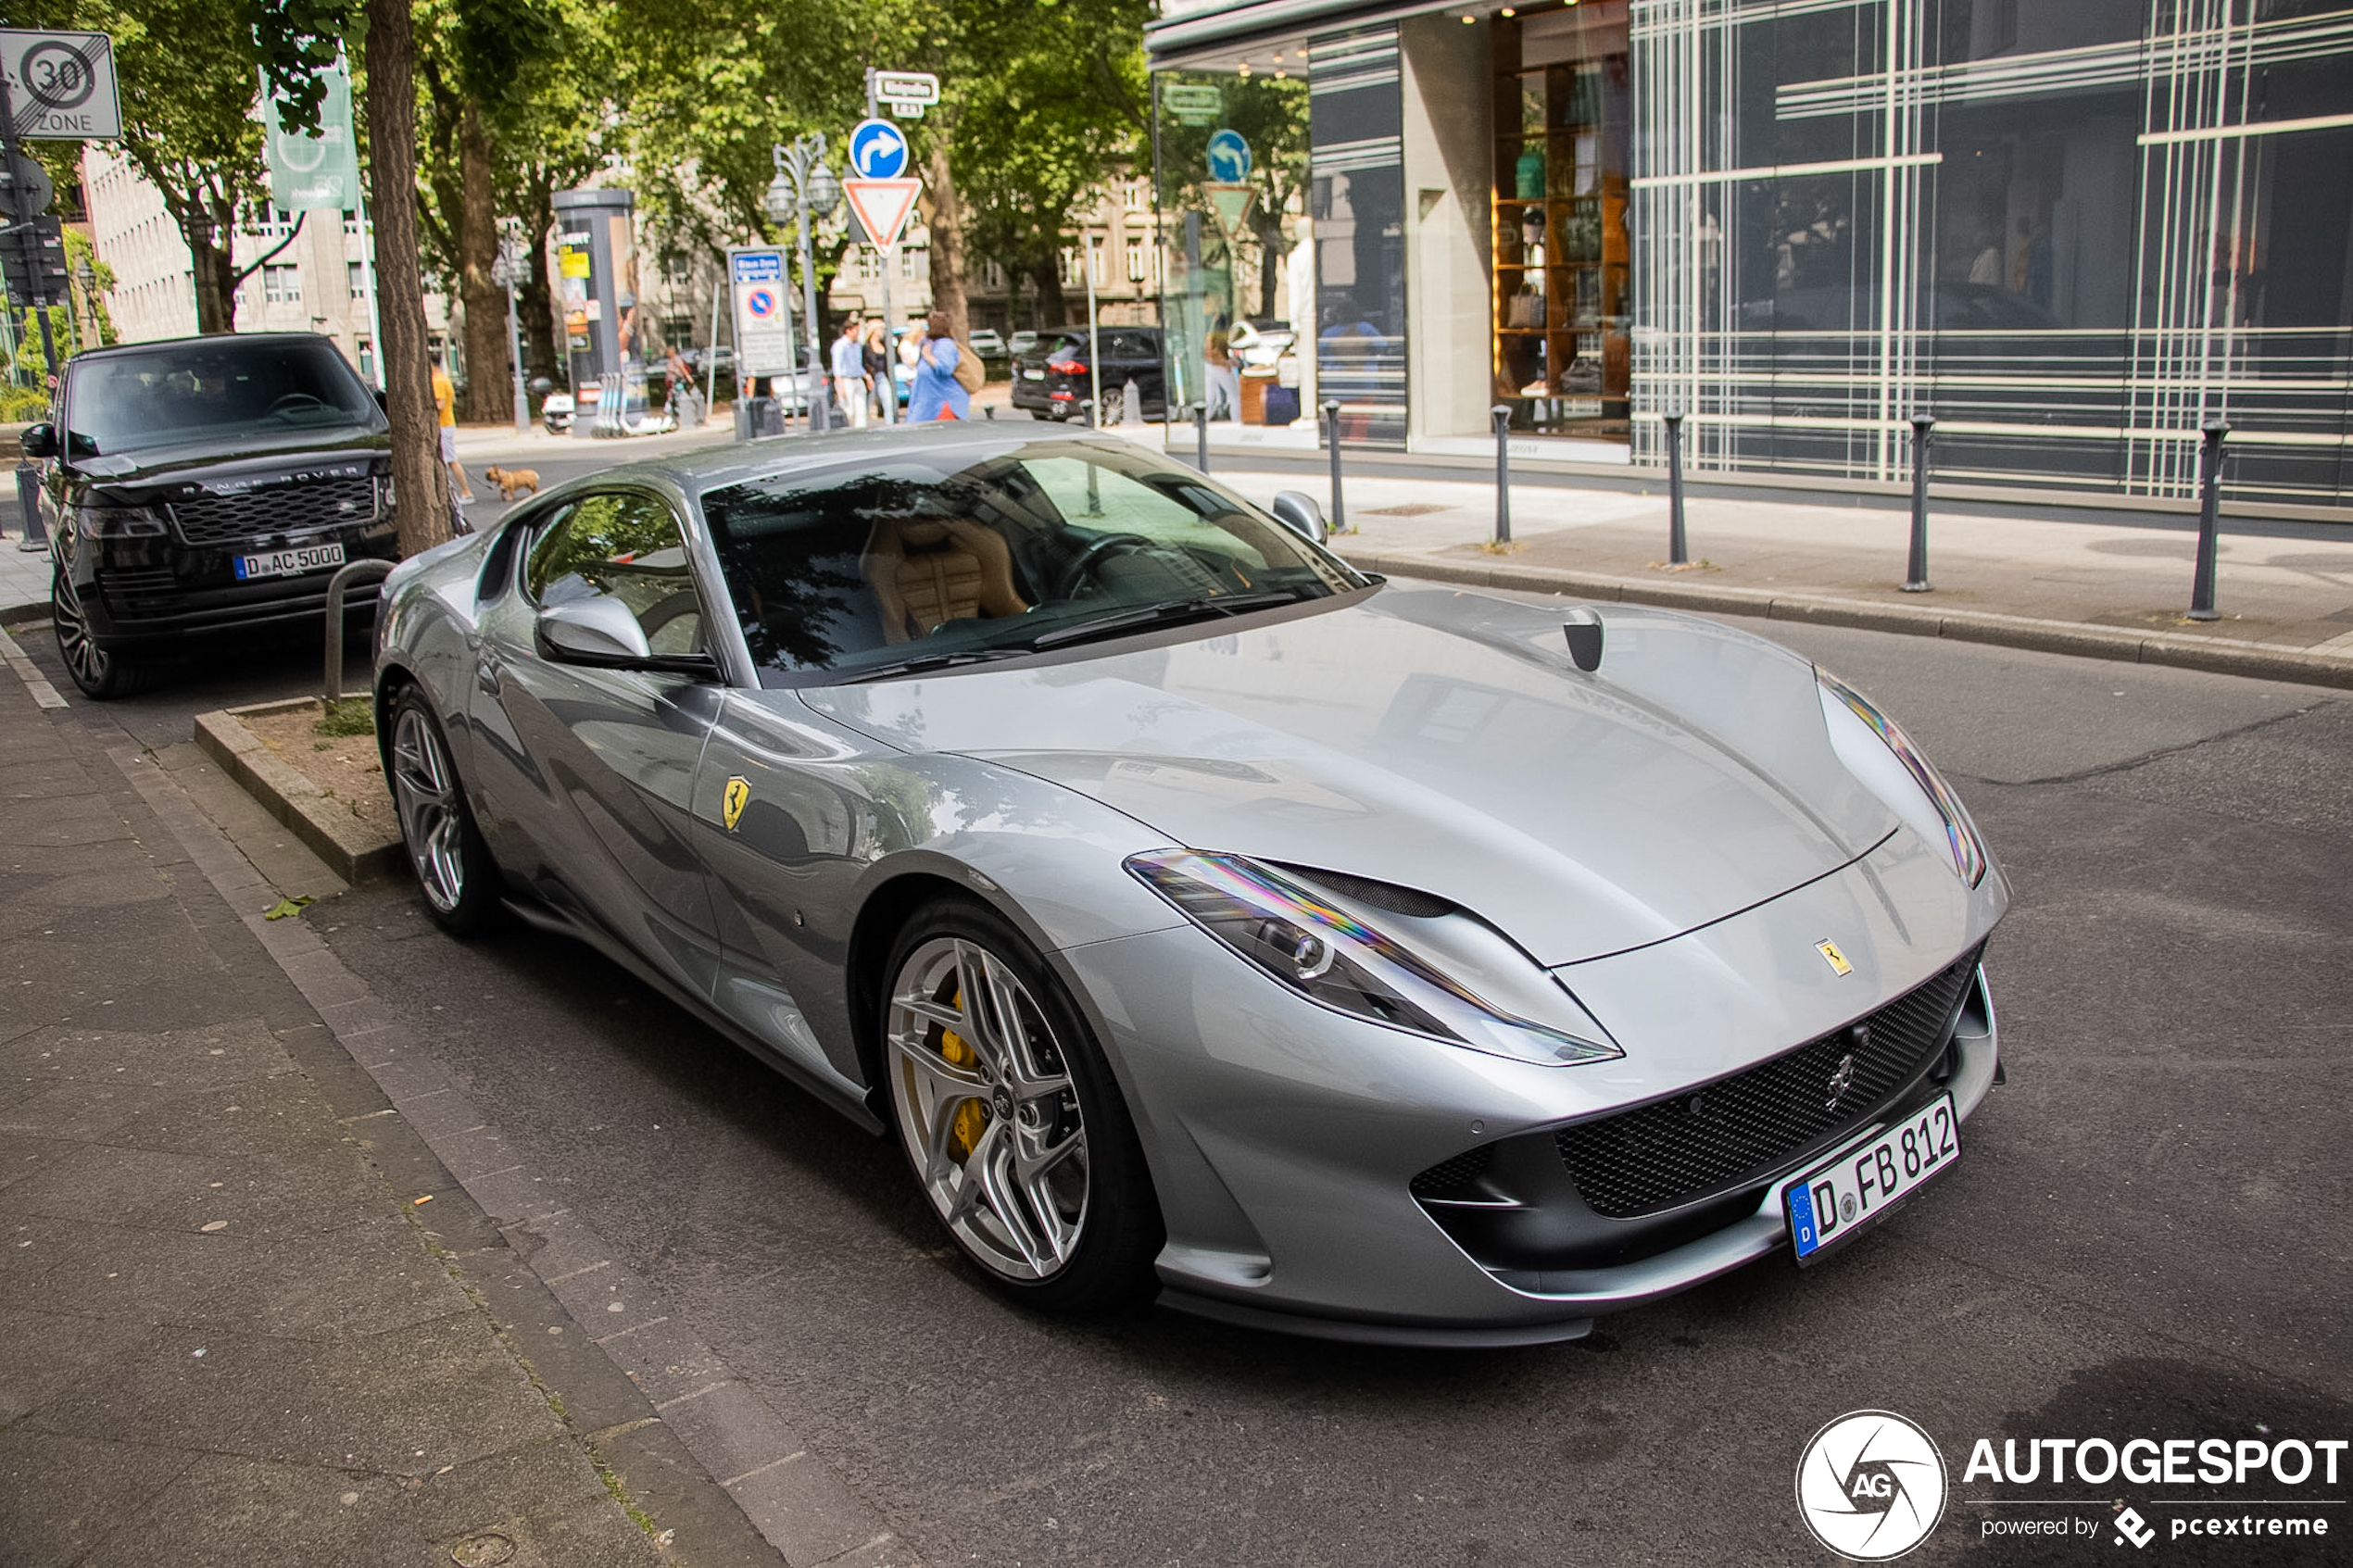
(101,676)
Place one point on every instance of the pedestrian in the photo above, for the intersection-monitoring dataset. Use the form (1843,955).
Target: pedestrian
(444,402)
(879,381)
(680,397)
(937,393)
(849,373)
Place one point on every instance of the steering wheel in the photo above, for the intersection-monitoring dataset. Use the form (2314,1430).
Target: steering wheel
(290,401)
(1085,562)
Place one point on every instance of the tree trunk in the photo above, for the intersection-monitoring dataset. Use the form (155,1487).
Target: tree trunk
(1047,309)
(489,385)
(418,476)
(944,216)
(213,274)
(534,301)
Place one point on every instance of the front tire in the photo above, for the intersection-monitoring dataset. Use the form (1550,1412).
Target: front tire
(103,676)
(1010,1117)
(453,865)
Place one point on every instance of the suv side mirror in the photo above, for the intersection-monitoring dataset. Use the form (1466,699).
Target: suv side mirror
(38,441)
(1298,511)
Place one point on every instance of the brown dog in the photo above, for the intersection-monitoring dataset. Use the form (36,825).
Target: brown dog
(512,482)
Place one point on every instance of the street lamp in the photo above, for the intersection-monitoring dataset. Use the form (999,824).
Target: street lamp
(804,185)
(508,272)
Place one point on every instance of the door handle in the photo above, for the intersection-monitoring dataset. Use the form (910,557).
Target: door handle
(487,668)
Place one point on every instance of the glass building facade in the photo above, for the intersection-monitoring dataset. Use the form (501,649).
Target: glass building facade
(2070,231)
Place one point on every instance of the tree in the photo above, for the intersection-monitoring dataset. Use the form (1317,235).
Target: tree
(295,39)
(1272,117)
(186,76)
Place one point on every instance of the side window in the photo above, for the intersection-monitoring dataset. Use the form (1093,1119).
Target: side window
(626,546)
(515,534)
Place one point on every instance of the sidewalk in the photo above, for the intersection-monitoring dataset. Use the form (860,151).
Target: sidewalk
(2104,590)
(244,1314)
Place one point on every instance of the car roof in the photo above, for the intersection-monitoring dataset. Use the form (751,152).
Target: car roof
(210,339)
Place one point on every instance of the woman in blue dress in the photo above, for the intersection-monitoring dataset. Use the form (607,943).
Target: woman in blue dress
(936,394)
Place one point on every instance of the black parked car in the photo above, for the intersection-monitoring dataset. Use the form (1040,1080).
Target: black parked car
(206,485)
(1051,380)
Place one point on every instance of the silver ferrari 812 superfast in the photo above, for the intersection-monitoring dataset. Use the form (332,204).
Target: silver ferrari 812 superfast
(1205,917)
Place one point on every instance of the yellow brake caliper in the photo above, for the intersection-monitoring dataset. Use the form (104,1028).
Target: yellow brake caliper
(964,1129)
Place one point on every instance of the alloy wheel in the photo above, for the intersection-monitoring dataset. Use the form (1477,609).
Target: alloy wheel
(986,1109)
(91,666)
(424,788)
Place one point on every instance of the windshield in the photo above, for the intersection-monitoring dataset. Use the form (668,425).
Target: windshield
(212,390)
(912,559)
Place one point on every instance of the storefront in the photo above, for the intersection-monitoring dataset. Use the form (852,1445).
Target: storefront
(2072,234)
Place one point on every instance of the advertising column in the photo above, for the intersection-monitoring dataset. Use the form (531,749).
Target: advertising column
(597,291)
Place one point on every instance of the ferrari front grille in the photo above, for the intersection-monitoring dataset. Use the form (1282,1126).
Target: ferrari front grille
(1755,1124)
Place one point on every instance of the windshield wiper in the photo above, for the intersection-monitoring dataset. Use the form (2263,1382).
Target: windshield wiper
(928,662)
(1164,614)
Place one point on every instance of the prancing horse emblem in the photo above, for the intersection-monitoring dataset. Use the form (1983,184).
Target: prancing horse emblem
(1841,1081)
(1832,956)
(731,804)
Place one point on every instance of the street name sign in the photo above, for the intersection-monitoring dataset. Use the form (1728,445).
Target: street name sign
(882,207)
(61,86)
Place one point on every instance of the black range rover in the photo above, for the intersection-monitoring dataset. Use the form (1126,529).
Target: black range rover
(206,485)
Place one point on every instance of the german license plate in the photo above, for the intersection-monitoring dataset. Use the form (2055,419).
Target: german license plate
(289,563)
(1035,375)
(1857,1188)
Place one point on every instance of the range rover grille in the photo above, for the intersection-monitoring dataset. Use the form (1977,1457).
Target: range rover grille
(331,503)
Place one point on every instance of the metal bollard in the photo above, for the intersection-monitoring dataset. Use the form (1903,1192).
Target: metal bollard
(1916,571)
(346,575)
(1679,550)
(1200,437)
(1331,434)
(2209,521)
(1502,414)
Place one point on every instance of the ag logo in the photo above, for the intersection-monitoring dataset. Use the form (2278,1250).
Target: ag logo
(731,804)
(1870,1485)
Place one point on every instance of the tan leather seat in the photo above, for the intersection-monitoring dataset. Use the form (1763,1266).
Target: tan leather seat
(929,571)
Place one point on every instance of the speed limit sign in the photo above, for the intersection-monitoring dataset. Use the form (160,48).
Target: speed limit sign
(61,86)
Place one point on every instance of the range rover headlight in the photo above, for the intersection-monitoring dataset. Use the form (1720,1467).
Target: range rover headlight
(1331,957)
(1945,818)
(120,523)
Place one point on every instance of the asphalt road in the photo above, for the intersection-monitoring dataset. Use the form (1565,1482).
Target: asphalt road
(2147,1234)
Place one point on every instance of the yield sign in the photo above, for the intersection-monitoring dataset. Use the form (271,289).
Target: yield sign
(882,207)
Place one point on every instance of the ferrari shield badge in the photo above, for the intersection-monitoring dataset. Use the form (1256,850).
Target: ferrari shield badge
(1828,948)
(738,796)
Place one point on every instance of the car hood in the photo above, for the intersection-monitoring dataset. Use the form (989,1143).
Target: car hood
(186,469)
(1444,742)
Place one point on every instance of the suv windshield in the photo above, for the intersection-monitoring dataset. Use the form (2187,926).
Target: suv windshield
(213,390)
(913,560)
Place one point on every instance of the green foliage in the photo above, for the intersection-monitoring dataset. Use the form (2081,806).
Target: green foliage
(352,716)
(19,405)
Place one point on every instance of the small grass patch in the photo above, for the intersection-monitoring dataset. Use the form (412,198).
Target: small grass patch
(352,716)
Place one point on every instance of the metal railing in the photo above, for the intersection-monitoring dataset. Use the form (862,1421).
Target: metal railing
(346,575)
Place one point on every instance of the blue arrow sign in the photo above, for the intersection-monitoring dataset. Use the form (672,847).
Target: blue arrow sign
(878,150)
(1229,157)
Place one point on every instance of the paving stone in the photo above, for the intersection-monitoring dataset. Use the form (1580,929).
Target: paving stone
(61,1496)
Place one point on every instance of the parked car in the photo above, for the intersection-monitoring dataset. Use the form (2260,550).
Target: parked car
(1021,343)
(1051,379)
(1204,917)
(987,344)
(205,485)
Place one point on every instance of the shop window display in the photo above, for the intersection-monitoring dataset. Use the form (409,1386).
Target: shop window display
(1561,302)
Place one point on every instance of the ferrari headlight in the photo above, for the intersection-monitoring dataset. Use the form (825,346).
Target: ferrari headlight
(1958,832)
(118,522)
(1331,957)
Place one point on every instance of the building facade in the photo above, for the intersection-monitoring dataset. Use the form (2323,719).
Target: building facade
(2071,232)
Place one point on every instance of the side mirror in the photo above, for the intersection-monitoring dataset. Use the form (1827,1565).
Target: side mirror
(38,441)
(1298,511)
(592,631)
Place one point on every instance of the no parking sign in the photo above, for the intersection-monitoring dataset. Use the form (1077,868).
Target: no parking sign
(763,310)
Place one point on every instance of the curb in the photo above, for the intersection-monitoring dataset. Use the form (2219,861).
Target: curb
(351,851)
(2180,650)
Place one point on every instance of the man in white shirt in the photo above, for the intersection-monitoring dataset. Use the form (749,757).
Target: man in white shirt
(849,373)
